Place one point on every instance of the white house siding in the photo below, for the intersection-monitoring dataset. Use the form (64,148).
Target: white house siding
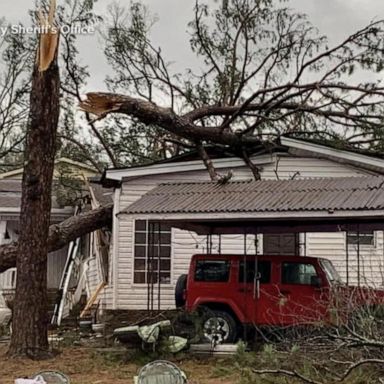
(93,273)
(126,295)
(332,245)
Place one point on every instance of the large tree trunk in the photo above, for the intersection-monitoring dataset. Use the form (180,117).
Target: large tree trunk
(30,325)
(63,233)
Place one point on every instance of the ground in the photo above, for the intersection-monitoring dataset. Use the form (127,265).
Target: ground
(84,366)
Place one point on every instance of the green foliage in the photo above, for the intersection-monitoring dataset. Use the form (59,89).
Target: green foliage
(258,51)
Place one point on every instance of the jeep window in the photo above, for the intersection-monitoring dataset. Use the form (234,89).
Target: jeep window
(297,273)
(332,275)
(263,269)
(212,271)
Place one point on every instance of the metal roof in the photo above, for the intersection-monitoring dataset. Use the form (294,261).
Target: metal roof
(10,194)
(317,194)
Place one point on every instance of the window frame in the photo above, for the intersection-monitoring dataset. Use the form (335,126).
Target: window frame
(145,258)
(362,234)
(240,281)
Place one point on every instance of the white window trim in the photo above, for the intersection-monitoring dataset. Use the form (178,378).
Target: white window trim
(142,285)
(362,246)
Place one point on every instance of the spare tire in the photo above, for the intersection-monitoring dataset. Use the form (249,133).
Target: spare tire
(181,285)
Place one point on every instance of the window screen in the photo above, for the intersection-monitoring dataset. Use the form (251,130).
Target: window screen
(263,269)
(297,273)
(212,270)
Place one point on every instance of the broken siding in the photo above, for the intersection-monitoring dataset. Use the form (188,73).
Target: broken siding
(93,278)
(185,244)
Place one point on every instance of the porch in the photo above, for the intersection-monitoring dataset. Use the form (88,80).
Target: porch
(352,207)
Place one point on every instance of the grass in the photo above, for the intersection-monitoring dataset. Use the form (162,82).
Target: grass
(118,365)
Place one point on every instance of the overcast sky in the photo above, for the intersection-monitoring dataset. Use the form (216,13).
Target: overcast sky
(335,18)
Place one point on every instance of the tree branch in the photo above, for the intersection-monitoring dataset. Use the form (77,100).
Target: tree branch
(63,233)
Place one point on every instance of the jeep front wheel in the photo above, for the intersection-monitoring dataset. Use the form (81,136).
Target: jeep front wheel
(219,327)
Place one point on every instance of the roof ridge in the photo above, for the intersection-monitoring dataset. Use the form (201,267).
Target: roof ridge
(249,181)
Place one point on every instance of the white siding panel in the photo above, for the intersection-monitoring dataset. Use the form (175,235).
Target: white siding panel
(332,246)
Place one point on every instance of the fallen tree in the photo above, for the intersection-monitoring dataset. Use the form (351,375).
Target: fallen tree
(62,233)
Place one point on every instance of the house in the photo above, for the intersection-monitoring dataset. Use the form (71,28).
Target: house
(357,251)
(10,201)
(64,167)
(69,185)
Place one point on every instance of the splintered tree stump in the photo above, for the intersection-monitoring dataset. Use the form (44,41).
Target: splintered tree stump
(30,322)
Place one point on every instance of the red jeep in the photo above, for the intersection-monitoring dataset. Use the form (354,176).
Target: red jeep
(267,291)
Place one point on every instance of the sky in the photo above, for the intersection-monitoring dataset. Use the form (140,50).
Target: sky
(334,18)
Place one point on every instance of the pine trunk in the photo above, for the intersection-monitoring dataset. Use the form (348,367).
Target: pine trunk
(30,323)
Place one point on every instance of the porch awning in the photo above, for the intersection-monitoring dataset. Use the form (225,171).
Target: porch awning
(318,204)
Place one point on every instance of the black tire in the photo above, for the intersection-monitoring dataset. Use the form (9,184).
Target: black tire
(218,327)
(181,285)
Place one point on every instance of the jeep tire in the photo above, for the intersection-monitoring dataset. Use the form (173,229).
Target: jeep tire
(181,285)
(218,327)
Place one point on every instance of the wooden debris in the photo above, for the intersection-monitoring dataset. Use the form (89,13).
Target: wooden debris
(101,104)
(92,299)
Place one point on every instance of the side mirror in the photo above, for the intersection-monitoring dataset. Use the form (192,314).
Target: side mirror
(316,281)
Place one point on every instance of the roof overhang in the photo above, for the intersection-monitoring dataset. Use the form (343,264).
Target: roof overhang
(294,147)
(57,214)
(305,148)
(270,222)
(188,166)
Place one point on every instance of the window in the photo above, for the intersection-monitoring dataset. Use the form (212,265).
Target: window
(297,273)
(263,269)
(362,238)
(330,271)
(152,254)
(281,244)
(212,271)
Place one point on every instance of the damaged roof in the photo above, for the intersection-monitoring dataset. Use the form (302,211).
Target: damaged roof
(317,194)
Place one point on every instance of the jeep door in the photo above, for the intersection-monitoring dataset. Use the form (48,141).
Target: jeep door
(301,297)
(259,291)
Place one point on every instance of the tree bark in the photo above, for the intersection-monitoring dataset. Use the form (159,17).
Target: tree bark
(30,322)
(63,233)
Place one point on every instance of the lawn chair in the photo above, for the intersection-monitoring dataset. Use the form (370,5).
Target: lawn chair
(52,377)
(161,372)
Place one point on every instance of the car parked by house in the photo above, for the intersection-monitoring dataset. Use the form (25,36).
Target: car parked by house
(237,290)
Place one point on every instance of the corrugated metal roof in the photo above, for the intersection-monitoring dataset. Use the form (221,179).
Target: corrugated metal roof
(318,194)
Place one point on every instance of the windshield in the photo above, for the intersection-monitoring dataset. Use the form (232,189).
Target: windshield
(332,275)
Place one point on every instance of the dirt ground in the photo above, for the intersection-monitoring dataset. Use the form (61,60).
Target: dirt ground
(83,366)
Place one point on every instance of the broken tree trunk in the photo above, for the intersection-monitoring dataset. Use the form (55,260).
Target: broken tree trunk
(63,233)
(30,325)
